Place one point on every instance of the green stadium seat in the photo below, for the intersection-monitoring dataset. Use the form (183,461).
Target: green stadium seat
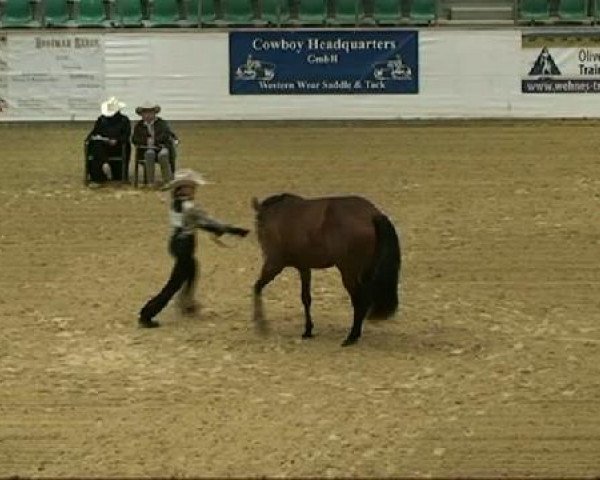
(573,10)
(423,11)
(19,13)
(130,13)
(238,12)
(190,8)
(164,13)
(208,13)
(273,11)
(365,9)
(310,12)
(57,13)
(534,10)
(92,13)
(386,12)
(346,12)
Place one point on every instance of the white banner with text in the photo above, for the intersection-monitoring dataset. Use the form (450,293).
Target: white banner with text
(51,76)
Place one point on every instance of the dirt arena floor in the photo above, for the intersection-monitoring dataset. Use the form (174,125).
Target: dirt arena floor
(490,369)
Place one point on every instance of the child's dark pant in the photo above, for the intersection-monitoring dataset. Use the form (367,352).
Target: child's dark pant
(182,247)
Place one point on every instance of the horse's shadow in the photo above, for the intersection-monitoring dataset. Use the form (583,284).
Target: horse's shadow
(387,335)
(447,340)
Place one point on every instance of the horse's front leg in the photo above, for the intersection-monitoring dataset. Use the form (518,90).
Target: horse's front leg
(305,275)
(269,271)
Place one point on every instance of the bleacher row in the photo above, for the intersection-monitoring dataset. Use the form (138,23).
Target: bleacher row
(575,11)
(193,13)
(259,13)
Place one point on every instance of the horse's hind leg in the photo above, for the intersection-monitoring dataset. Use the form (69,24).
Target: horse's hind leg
(305,275)
(361,301)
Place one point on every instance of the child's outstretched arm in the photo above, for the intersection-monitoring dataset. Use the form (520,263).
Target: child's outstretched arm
(201,220)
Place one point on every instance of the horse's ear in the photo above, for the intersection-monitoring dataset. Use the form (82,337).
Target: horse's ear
(255,204)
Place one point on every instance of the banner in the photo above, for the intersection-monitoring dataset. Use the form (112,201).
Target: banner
(323,62)
(51,75)
(560,64)
(282,75)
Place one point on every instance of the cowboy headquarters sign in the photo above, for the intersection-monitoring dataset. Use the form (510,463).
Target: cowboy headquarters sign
(323,62)
(560,64)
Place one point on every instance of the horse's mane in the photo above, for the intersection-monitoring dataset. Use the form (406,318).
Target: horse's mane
(272,200)
(262,207)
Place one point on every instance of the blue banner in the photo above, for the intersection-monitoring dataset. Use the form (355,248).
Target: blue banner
(323,62)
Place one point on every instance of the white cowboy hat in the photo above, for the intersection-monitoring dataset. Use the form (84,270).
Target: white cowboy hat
(185,176)
(111,106)
(147,106)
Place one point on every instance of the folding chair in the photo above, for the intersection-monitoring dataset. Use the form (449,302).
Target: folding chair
(115,158)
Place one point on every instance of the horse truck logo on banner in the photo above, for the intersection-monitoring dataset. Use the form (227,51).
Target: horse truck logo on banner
(317,62)
(562,69)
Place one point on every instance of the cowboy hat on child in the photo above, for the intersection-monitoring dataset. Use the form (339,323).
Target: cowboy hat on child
(185,176)
(111,106)
(147,106)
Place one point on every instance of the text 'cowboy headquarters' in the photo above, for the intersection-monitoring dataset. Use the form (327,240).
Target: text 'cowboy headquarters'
(310,44)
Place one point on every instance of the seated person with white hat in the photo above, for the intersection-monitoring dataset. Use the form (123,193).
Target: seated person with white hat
(111,131)
(155,141)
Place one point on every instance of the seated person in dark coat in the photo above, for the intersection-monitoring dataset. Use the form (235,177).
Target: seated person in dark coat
(155,142)
(111,131)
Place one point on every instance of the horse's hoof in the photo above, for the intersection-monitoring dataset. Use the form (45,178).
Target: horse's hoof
(148,323)
(349,341)
(307,335)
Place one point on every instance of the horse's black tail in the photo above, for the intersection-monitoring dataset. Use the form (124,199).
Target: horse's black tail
(386,269)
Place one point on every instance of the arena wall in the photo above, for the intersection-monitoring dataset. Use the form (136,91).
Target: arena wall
(495,73)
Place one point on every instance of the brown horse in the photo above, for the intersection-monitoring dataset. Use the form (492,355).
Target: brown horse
(349,233)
